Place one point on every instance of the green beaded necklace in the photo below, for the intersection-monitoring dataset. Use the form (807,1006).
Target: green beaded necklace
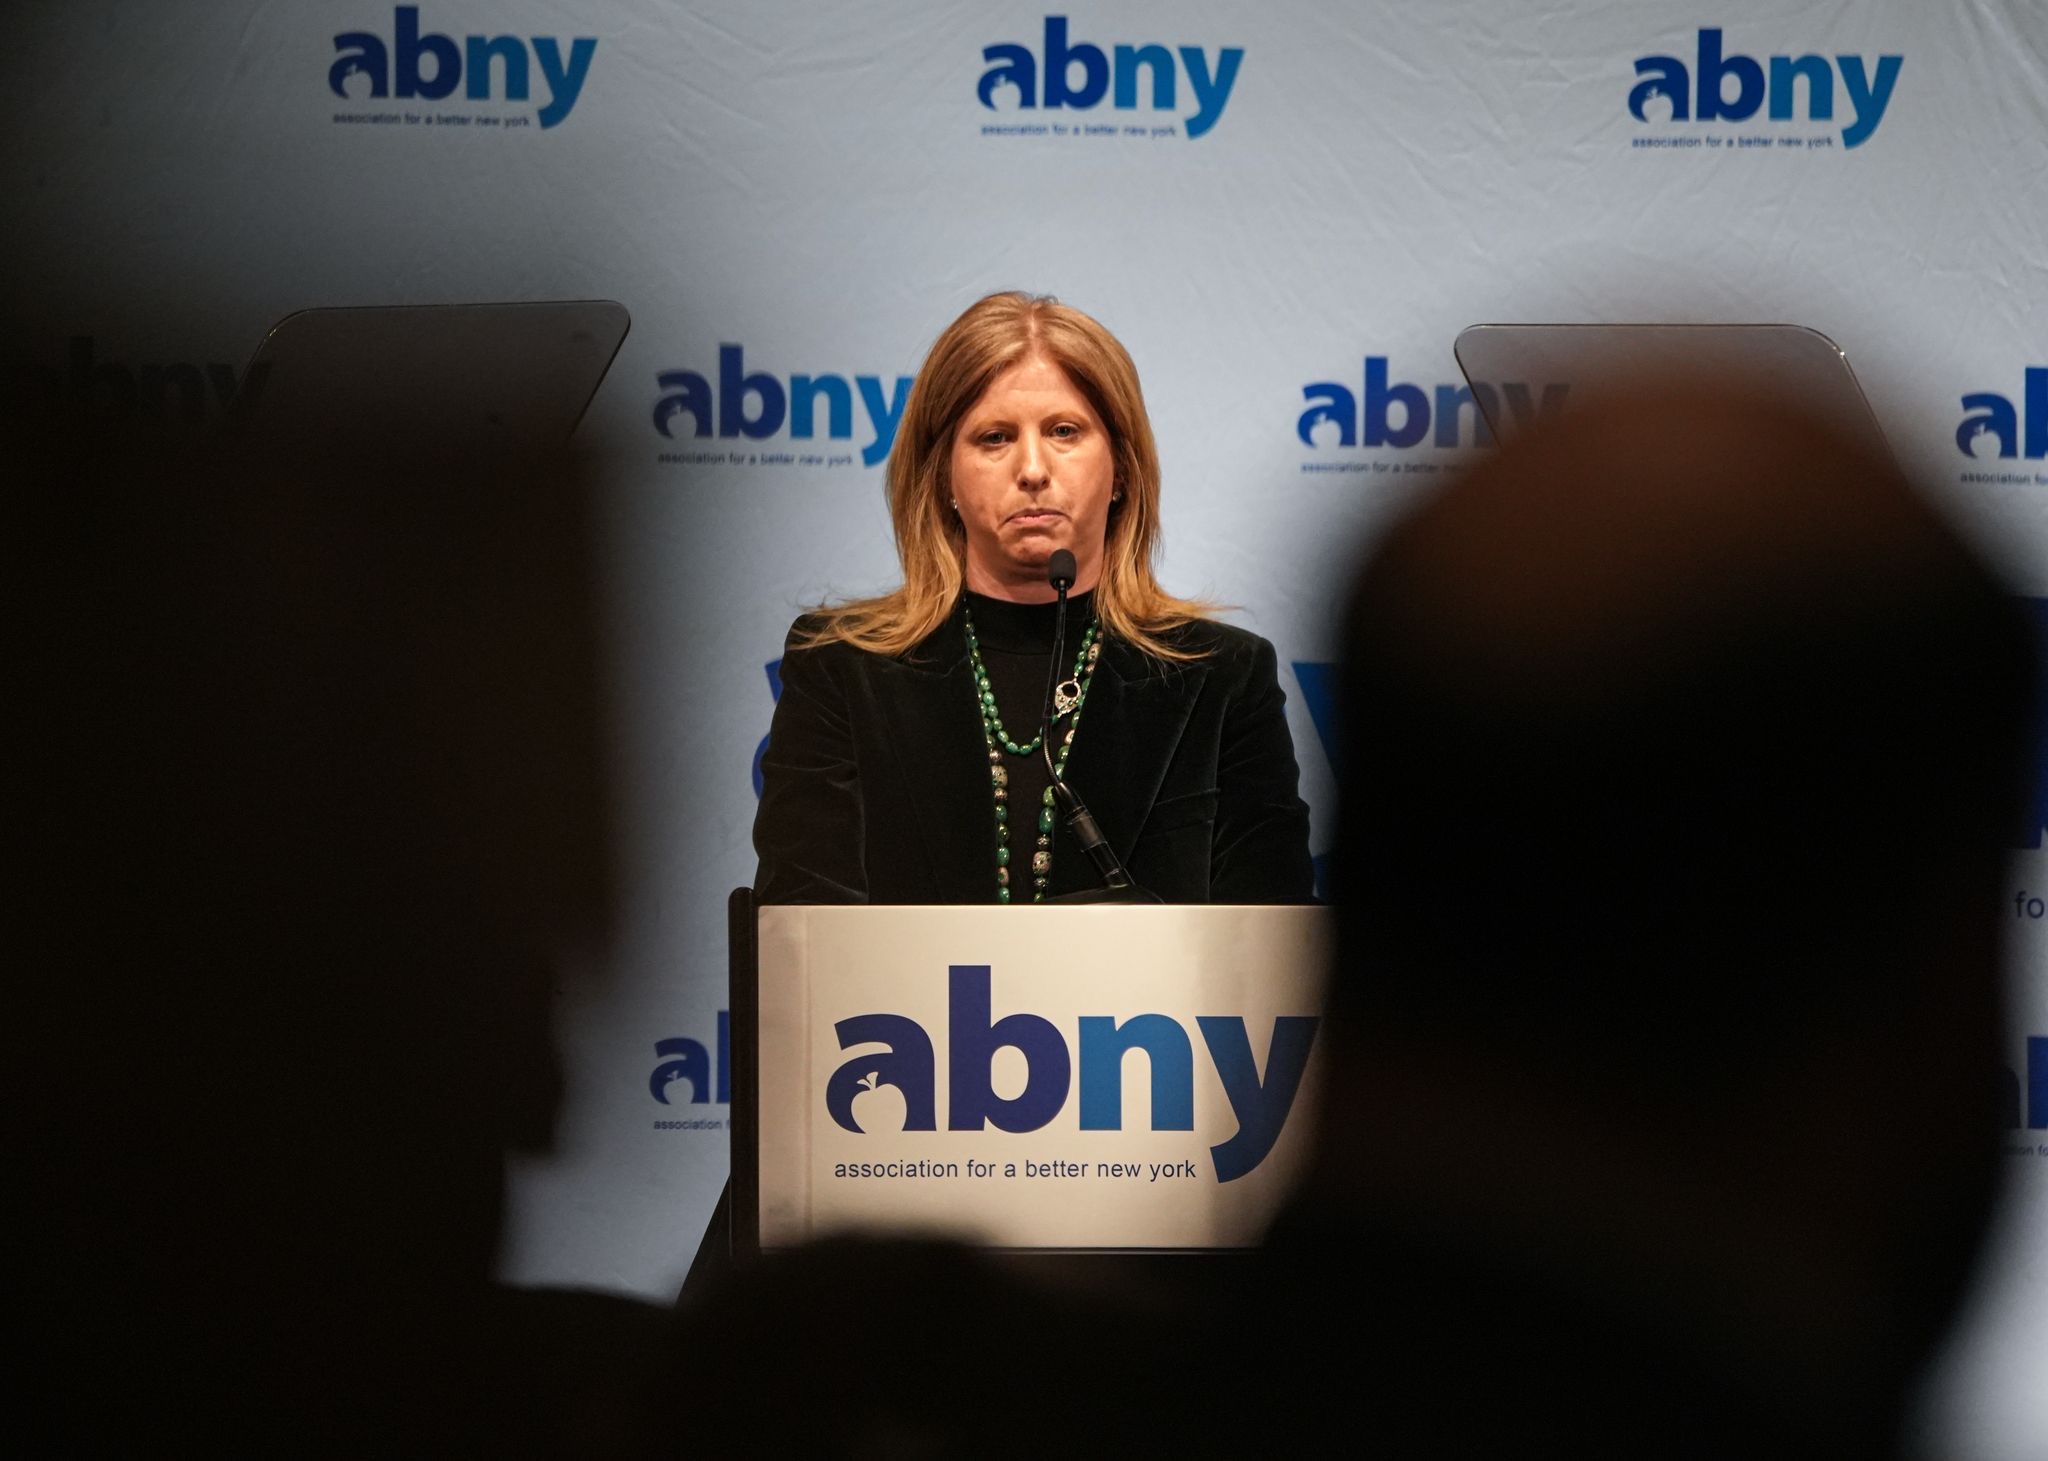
(999,741)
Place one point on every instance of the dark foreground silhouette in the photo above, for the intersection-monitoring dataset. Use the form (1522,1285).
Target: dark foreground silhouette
(306,802)
(1681,742)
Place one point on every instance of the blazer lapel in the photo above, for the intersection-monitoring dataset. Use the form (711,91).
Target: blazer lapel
(941,764)
(1130,729)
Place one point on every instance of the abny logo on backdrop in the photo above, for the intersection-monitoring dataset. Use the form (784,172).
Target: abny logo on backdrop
(2032,1114)
(108,391)
(705,1072)
(1071,75)
(1723,86)
(1997,426)
(907,1063)
(1385,412)
(424,66)
(748,405)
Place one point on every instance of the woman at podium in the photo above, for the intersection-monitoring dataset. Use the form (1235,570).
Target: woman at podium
(912,758)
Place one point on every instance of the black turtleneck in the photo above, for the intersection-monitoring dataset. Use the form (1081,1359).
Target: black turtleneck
(1015,642)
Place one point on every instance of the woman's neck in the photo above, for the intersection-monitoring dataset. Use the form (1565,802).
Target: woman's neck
(1004,624)
(1026,588)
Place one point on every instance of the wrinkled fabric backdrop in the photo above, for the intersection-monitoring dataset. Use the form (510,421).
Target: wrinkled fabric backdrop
(1286,211)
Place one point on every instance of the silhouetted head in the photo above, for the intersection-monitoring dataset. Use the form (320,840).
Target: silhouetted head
(1682,743)
(315,797)
(1671,729)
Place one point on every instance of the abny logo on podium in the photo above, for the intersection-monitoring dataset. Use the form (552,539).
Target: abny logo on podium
(907,1062)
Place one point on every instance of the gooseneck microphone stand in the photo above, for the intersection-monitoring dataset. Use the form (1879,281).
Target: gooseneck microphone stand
(1117,886)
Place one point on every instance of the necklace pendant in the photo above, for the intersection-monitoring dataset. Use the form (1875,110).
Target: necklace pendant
(1065,696)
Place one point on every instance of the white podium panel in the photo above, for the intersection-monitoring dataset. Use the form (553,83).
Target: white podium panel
(1054,1078)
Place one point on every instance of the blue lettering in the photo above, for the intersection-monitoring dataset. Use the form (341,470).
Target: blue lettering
(430,66)
(1996,419)
(1328,402)
(804,391)
(565,82)
(1318,681)
(509,50)
(1714,73)
(1060,59)
(411,46)
(774,669)
(2037,411)
(1667,77)
(2000,420)
(362,55)
(688,1061)
(973,1040)
(1104,1043)
(1866,98)
(1820,86)
(883,415)
(687,391)
(1261,1106)
(734,386)
(907,1064)
(1704,91)
(2034,1116)
(1128,60)
(1379,396)
(2037,1082)
(1375,424)
(1019,68)
(756,405)
(1212,94)
(1078,75)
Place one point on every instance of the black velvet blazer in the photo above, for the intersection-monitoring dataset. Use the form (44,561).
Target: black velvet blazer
(875,785)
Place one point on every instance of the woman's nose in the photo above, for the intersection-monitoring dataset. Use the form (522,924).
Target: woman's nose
(1031,464)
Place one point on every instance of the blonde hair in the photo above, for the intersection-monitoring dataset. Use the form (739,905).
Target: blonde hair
(994,334)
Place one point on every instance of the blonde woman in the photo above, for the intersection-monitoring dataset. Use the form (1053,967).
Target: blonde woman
(904,765)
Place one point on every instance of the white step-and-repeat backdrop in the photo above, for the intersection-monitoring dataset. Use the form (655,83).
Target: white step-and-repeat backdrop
(1287,211)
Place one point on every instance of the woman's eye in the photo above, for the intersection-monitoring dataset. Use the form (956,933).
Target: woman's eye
(1066,431)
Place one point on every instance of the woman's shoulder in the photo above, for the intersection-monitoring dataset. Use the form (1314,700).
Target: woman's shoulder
(1220,646)
(812,640)
(809,631)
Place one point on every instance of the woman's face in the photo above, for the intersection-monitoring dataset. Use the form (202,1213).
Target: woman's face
(1032,471)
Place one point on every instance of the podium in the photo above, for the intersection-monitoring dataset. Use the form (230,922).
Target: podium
(1095,1079)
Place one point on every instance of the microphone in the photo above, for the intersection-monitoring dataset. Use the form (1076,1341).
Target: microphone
(1117,886)
(1060,572)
